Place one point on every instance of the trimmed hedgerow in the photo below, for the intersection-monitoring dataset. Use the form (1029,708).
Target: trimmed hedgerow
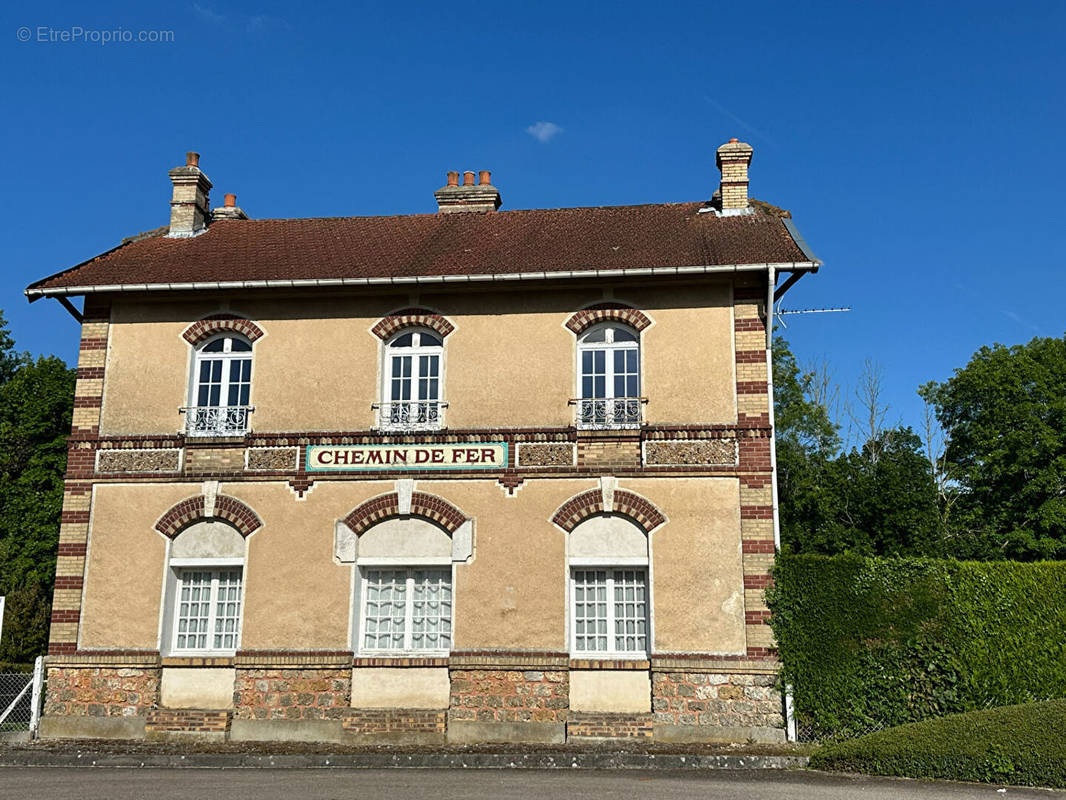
(873,642)
(1022,745)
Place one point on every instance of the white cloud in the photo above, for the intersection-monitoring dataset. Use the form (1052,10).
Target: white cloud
(208,14)
(544,132)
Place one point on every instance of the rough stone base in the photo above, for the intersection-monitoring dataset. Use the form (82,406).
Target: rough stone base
(101,691)
(60,726)
(589,725)
(726,702)
(517,732)
(292,694)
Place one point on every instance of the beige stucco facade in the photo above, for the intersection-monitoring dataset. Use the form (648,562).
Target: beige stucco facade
(509,362)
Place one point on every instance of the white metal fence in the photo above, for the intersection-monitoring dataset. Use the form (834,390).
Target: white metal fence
(20,699)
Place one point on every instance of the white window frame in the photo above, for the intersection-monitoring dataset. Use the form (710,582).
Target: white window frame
(407,651)
(215,566)
(609,347)
(227,356)
(416,351)
(610,567)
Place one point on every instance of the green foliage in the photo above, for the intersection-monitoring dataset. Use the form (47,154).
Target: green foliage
(866,642)
(35,414)
(1021,744)
(1005,417)
(880,499)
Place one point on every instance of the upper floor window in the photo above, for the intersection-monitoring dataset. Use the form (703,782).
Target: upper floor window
(609,377)
(411,395)
(222,382)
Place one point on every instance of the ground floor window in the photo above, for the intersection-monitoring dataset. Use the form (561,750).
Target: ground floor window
(208,611)
(407,609)
(609,611)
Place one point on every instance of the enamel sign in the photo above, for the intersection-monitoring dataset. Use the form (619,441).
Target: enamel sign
(363,457)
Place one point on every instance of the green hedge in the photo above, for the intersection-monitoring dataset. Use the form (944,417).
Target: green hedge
(1024,745)
(874,642)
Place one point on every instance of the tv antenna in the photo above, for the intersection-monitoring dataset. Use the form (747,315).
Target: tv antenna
(782,312)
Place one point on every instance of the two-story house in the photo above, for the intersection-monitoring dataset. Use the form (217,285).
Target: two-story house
(470,475)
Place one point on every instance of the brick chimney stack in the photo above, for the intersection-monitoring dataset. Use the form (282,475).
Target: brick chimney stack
(230,210)
(734,158)
(189,205)
(470,196)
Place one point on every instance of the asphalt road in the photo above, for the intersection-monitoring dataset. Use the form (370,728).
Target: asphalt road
(410,784)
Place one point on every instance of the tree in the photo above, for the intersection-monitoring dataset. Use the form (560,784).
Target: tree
(1004,415)
(806,441)
(36,399)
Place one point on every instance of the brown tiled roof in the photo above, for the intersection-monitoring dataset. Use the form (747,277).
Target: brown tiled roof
(430,245)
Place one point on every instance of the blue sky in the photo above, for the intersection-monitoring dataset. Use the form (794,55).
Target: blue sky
(918,145)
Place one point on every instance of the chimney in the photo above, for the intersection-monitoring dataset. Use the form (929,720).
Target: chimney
(230,210)
(733,160)
(188,206)
(470,196)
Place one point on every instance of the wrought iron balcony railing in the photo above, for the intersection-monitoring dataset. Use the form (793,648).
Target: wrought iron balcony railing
(411,415)
(216,421)
(601,413)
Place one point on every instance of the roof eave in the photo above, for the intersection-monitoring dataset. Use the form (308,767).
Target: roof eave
(35,291)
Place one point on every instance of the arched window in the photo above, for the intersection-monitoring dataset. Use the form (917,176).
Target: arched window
(411,394)
(221,386)
(205,589)
(609,599)
(608,364)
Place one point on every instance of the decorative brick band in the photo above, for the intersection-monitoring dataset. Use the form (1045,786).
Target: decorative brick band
(412,318)
(607,312)
(192,509)
(221,323)
(589,725)
(395,720)
(577,509)
(174,720)
(423,505)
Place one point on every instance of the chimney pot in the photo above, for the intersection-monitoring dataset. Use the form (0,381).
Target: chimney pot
(468,178)
(231,201)
(485,177)
(453,178)
(734,139)
(192,159)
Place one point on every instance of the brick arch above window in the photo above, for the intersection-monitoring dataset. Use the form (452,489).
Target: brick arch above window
(588,504)
(426,506)
(221,323)
(193,509)
(584,319)
(412,318)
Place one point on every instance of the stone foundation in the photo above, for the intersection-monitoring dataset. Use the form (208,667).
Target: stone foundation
(493,695)
(708,700)
(292,694)
(101,691)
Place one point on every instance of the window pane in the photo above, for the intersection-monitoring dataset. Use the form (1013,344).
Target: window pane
(431,617)
(429,340)
(624,335)
(240,346)
(406,340)
(386,600)
(194,610)
(216,346)
(590,616)
(596,335)
(630,611)
(227,609)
